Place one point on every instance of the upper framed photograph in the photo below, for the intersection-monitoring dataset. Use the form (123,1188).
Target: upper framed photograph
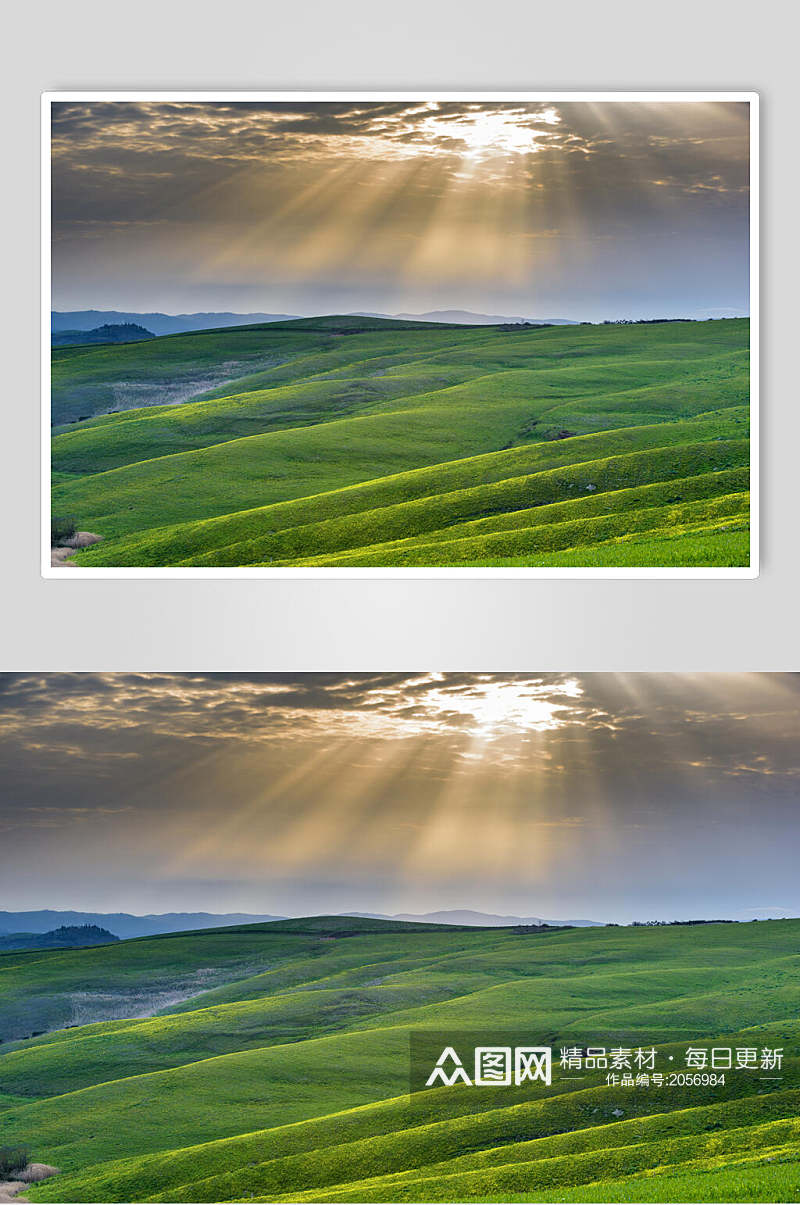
(400,334)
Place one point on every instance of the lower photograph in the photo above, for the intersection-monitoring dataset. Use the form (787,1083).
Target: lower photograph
(423,937)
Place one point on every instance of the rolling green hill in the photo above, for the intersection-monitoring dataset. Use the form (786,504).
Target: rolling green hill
(281,1070)
(347,442)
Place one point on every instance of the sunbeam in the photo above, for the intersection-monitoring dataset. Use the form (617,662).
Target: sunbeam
(551,794)
(376,205)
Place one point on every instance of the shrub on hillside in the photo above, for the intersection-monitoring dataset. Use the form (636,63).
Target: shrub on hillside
(13,1159)
(61,530)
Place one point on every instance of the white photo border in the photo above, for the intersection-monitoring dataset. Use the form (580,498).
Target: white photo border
(81,573)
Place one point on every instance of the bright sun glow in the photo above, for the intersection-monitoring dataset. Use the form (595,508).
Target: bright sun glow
(495,708)
(487,134)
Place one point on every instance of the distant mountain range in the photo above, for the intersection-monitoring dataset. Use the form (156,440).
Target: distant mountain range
(465,916)
(159,324)
(122,332)
(174,324)
(469,319)
(124,924)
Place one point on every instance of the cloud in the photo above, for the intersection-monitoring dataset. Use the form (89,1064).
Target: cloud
(262,707)
(104,718)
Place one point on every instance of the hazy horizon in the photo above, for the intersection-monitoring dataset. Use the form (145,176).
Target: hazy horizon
(367,313)
(580,210)
(610,797)
(591,921)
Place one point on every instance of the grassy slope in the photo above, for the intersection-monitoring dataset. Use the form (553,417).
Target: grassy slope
(89,381)
(347,425)
(289,1082)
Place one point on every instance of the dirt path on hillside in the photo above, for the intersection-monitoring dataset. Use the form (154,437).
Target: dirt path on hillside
(60,553)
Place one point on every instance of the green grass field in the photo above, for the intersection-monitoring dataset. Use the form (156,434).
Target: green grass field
(366,442)
(282,1071)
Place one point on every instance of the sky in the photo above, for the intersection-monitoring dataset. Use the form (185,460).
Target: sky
(579,210)
(599,796)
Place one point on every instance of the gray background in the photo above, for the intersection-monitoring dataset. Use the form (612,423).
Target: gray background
(400,624)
